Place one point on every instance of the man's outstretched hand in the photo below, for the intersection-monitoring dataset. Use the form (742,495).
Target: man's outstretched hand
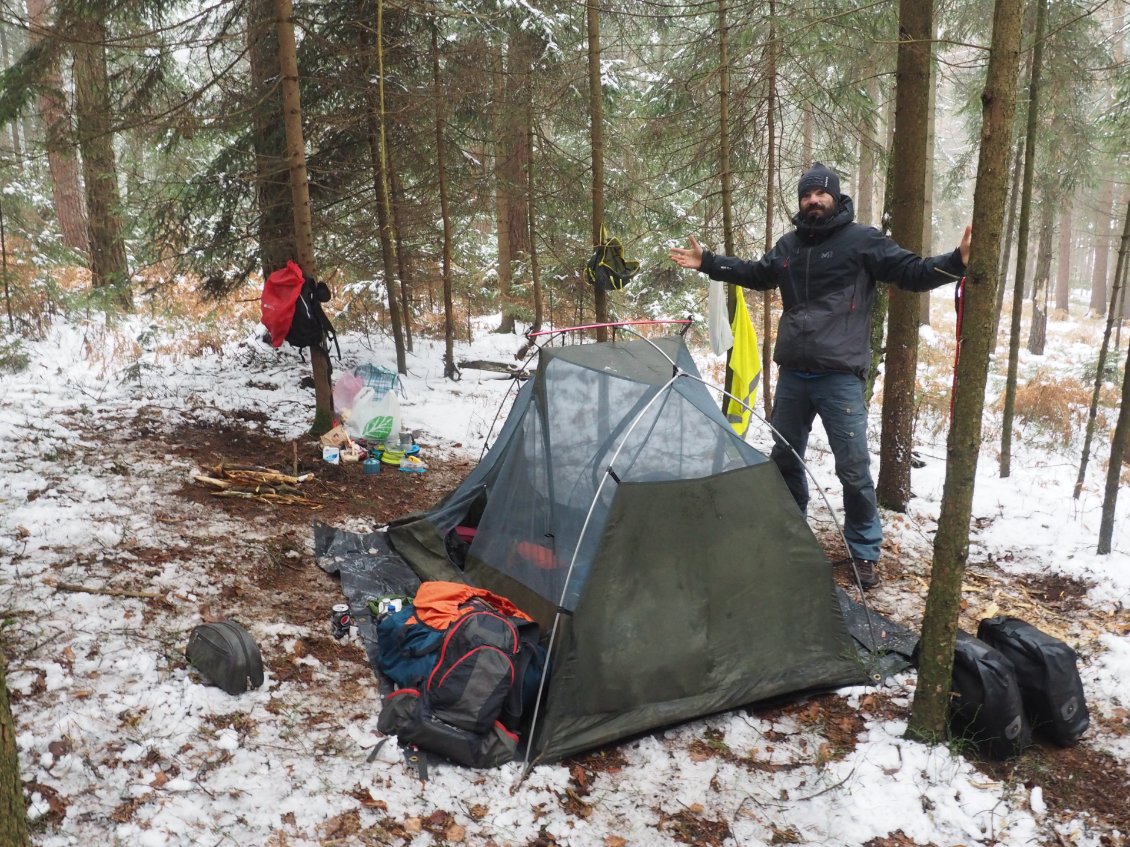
(688,257)
(966,240)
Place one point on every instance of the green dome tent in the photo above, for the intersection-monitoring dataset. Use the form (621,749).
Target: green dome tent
(664,554)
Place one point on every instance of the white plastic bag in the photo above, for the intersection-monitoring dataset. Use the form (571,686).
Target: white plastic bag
(718,318)
(376,419)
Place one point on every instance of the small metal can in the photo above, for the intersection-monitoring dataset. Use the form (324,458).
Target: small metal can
(340,621)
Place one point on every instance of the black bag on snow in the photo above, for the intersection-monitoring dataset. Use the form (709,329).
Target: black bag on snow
(986,706)
(310,324)
(226,655)
(1048,676)
(469,706)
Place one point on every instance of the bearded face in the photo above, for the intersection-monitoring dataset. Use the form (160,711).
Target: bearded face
(817,205)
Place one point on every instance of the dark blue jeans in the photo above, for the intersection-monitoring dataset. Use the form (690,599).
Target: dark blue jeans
(838,399)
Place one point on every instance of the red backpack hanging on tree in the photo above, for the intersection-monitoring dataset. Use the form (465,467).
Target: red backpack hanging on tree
(292,309)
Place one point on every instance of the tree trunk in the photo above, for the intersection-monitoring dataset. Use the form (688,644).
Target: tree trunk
(726,178)
(535,269)
(514,153)
(108,266)
(1022,240)
(930,708)
(449,370)
(1009,229)
(1038,329)
(14,125)
(276,217)
(867,145)
(807,126)
(13,812)
(926,247)
(1102,248)
(1120,272)
(300,204)
(770,199)
(375,116)
(402,263)
(66,193)
(596,143)
(1063,259)
(916,25)
(881,299)
(1118,443)
(724,173)
(501,195)
(4,270)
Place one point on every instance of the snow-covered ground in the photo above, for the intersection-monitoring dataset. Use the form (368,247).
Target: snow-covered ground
(121,743)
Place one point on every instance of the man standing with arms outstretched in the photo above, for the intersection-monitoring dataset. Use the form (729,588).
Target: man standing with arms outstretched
(827,270)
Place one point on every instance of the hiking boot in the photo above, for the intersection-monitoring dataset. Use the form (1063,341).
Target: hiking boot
(865,570)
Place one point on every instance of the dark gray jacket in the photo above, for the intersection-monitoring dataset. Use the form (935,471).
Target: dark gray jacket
(827,275)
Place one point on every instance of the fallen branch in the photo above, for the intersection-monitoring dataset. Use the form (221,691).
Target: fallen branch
(263,476)
(284,499)
(111,592)
(257,483)
(497,367)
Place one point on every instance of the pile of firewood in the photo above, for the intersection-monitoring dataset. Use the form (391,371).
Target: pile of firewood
(257,483)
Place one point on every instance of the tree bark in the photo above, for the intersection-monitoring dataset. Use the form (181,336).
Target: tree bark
(725,177)
(596,143)
(13,812)
(930,708)
(535,268)
(1009,229)
(62,163)
(916,24)
(770,199)
(1038,328)
(300,203)
(514,154)
(1018,282)
(375,116)
(108,266)
(1102,248)
(1120,272)
(1118,443)
(1063,259)
(502,196)
(272,173)
(14,125)
(449,369)
(868,143)
(926,246)
(402,263)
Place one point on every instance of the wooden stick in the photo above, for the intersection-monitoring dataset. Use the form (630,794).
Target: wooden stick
(112,592)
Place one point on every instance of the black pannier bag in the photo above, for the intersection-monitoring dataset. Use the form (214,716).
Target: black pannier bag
(986,706)
(226,655)
(1048,676)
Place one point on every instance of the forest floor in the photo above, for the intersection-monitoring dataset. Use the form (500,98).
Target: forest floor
(269,575)
(121,743)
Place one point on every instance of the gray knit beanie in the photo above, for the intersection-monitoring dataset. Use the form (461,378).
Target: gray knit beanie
(819,176)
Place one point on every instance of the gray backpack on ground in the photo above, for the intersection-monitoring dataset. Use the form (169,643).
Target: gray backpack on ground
(226,655)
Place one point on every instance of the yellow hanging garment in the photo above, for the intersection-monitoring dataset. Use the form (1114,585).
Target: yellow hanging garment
(745,362)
